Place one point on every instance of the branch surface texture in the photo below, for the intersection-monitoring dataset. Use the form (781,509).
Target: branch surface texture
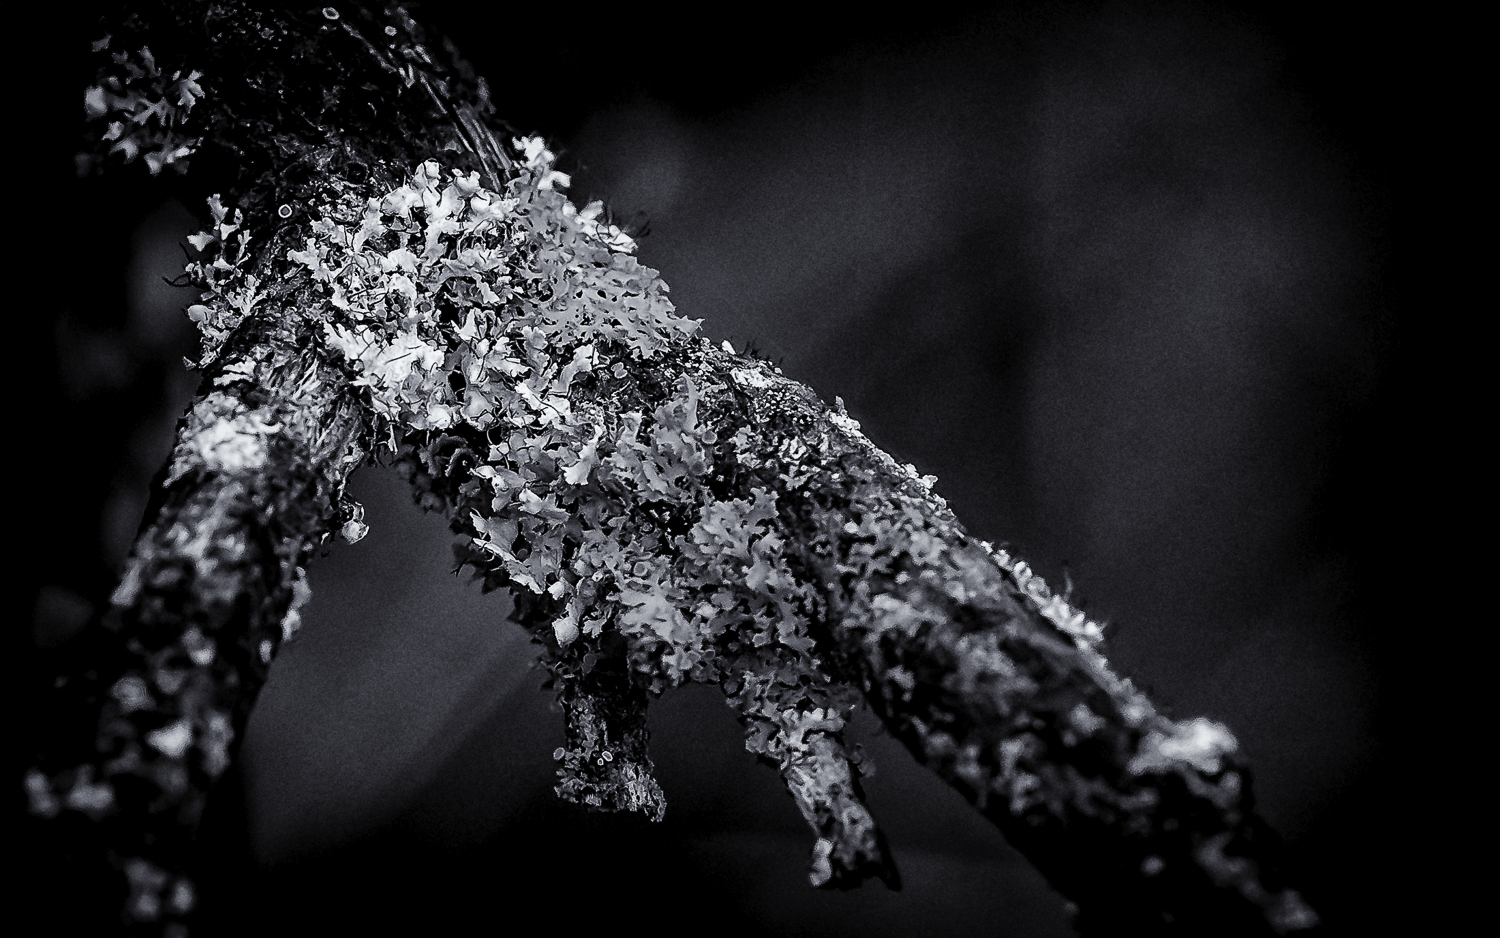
(385,274)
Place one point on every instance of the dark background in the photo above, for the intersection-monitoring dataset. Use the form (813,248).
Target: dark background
(1124,277)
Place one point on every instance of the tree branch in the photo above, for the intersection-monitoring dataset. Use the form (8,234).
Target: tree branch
(211,590)
(666,510)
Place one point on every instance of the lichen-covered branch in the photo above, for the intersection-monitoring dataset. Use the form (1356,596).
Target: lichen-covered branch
(210,591)
(255,484)
(634,481)
(604,762)
(665,509)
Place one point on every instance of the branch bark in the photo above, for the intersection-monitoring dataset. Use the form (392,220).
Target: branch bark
(665,509)
(211,590)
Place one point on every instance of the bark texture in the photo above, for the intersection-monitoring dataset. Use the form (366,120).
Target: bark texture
(665,509)
(605,763)
(211,590)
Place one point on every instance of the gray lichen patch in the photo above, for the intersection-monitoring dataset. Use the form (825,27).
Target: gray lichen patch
(664,510)
(726,526)
(592,491)
(667,511)
(223,436)
(212,587)
(143,109)
(825,785)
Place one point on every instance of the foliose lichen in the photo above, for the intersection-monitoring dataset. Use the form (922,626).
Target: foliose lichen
(663,511)
(671,513)
(468,314)
(231,292)
(144,110)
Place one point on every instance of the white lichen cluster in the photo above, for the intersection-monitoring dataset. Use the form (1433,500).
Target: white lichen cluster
(143,109)
(1053,607)
(468,311)
(230,292)
(223,435)
(601,463)
(841,419)
(500,338)
(455,305)
(1199,742)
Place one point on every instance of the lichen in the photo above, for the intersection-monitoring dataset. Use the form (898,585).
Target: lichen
(230,292)
(214,583)
(690,514)
(143,109)
(469,314)
(1200,743)
(664,510)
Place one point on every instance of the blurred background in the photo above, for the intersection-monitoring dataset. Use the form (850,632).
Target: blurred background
(1120,275)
